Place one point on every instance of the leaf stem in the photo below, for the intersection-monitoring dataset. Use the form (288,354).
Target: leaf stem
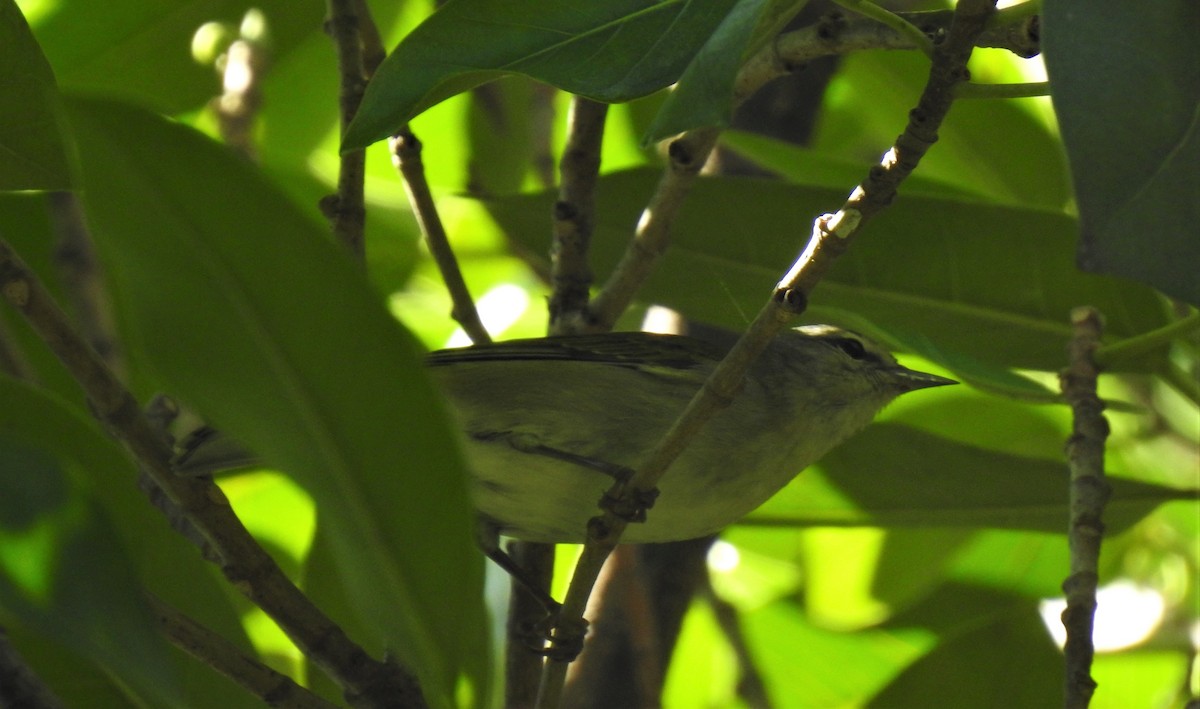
(1138,345)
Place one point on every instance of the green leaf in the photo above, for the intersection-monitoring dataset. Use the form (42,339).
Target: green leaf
(251,315)
(1125,80)
(994,282)
(63,571)
(999,149)
(819,168)
(105,475)
(501,134)
(142,50)
(894,476)
(993,651)
(609,51)
(704,94)
(33,148)
(825,667)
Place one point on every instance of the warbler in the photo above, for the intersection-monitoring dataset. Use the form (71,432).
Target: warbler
(550,423)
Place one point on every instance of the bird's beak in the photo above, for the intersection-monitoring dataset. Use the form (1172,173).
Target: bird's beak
(911,379)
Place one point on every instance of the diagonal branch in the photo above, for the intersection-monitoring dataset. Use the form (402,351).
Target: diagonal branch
(273,688)
(406,156)
(370,683)
(835,34)
(831,236)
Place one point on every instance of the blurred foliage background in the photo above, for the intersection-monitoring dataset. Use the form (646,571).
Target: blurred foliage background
(916,566)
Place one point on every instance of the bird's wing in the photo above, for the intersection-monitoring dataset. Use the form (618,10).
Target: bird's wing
(641,350)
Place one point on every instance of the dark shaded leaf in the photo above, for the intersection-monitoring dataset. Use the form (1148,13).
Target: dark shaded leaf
(33,148)
(1125,79)
(704,94)
(610,51)
(993,651)
(102,473)
(63,571)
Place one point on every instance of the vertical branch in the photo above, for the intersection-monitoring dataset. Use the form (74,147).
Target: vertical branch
(687,155)
(76,259)
(523,655)
(346,209)
(574,216)
(1089,492)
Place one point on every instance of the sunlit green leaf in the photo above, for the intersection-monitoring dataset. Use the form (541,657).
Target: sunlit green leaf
(889,475)
(992,281)
(867,104)
(825,667)
(611,51)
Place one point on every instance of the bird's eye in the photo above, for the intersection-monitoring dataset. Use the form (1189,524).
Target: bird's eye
(850,346)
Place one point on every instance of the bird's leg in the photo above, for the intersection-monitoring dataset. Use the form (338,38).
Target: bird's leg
(487,536)
(632,510)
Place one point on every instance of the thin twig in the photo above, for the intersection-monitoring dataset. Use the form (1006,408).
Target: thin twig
(273,688)
(836,34)
(406,148)
(686,156)
(346,209)
(574,216)
(1089,493)
(373,52)
(833,35)
(83,279)
(406,156)
(831,236)
(368,683)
